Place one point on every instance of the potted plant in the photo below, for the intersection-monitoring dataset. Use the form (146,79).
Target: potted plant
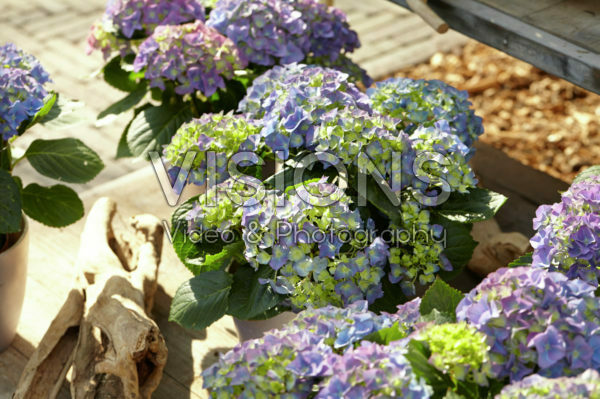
(28,102)
(345,170)
(178,60)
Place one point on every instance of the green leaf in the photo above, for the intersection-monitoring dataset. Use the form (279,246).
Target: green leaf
(418,356)
(10,205)
(376,197)
(480,204)
(436,317)
(249,298)
(588,173)
(119,78)
(524,260)
(387,335)
(55,206)
(64,114)
(154,127)
(123,150)
(442,297)
(126,103)
(459,244)
(67,160)
(202,300)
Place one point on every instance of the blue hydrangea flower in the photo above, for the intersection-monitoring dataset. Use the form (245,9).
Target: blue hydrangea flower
(291,101)
(536,321)
(270,32)
(584,386)
(225,135)
(22,80)
(423,102)
(194,57)
(302,241)
(126,22)
(567,235)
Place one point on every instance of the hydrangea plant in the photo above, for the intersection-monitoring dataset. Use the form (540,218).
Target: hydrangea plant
(27,101)
(536,321)
(567,235)
(584,386)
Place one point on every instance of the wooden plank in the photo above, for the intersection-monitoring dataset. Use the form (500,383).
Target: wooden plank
(520,8)
(547,51)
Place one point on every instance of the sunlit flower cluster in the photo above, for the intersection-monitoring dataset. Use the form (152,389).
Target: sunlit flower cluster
(568,232)
(194,57)
(22,80)
(536,321)
(584,386)
(270,32)
(309,241)
(423,103)
(223,135)
(126,22)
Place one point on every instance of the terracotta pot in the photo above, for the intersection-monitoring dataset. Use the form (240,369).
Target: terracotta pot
(250,329)
(13,276)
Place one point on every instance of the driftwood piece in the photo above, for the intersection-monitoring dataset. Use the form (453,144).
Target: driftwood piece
(103,336)
(495,249)
(45,372)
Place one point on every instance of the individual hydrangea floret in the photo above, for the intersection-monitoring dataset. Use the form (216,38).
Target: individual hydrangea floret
(441,161)
(291,100)
(584,386)
(126,22)
(193,57)
(416,259)
(22,80)
(270,32)
(567,235)
(374,371)
(458,350)
(423,102)
(302,240)
(224,135)
(536,321)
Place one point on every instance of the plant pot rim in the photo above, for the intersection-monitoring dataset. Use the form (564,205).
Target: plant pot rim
(23,232)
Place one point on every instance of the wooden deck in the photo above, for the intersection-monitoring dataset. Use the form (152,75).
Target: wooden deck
(561,37)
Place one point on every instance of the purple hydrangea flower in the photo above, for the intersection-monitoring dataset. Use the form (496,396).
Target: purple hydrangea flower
(536,321)
(22,80)
(269,32)
(423,103)
(126,22)
(292,100)
(568,232)
(194,57)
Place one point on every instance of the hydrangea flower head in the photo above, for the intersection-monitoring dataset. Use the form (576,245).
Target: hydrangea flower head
(225,135)
(22,80)
(374,371)
(584,386)
(423,102)
(125,22)
(459,350)
(194,57)
(568,232)
(270,32)
(535,321)
(292,100)
(302,241)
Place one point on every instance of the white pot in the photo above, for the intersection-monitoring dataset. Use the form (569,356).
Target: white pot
(13,276)
(251,329)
